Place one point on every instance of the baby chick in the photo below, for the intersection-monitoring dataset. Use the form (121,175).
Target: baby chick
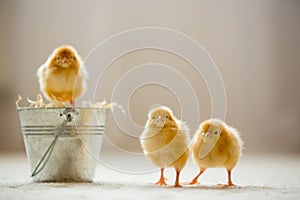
(165,141)
(62,76)
(216,144)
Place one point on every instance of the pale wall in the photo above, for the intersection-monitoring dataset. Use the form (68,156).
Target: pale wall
(255,44)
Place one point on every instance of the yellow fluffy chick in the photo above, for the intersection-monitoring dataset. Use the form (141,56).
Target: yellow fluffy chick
(165,141)
(216,144)
(62,76)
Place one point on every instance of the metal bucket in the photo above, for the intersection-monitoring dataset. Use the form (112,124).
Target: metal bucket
(61,142)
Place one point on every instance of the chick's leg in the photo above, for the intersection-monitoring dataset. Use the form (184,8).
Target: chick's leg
(229,178)
(177,179)
(229,183)
(72,103)
(195,180)
(162,179)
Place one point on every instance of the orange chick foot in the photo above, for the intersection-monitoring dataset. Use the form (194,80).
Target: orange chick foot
(226,185)
(161,182)
(193,182)
(162,179)
(177,185)
(230,184)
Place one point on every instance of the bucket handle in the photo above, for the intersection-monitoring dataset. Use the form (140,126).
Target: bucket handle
(47,154)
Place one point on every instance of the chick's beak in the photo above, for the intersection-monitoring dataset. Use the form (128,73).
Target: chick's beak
(160,118)
(64,60)
(160,121)
(208,134)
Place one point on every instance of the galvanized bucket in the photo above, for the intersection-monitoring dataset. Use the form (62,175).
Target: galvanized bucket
(61,142)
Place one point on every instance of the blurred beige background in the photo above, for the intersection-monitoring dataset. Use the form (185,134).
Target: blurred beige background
(255,44)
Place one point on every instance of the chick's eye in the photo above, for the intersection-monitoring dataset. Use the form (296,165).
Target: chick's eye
(153,117)
(167,117)
(57,58)
(216,132)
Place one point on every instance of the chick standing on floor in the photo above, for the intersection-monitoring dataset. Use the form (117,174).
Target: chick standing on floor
(62,76)
(216,144)
(165,141)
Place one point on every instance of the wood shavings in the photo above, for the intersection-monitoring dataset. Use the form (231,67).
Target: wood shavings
(114,104)
(56,102)
(18,100)
(100,104)
(39,103)
(103,104)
